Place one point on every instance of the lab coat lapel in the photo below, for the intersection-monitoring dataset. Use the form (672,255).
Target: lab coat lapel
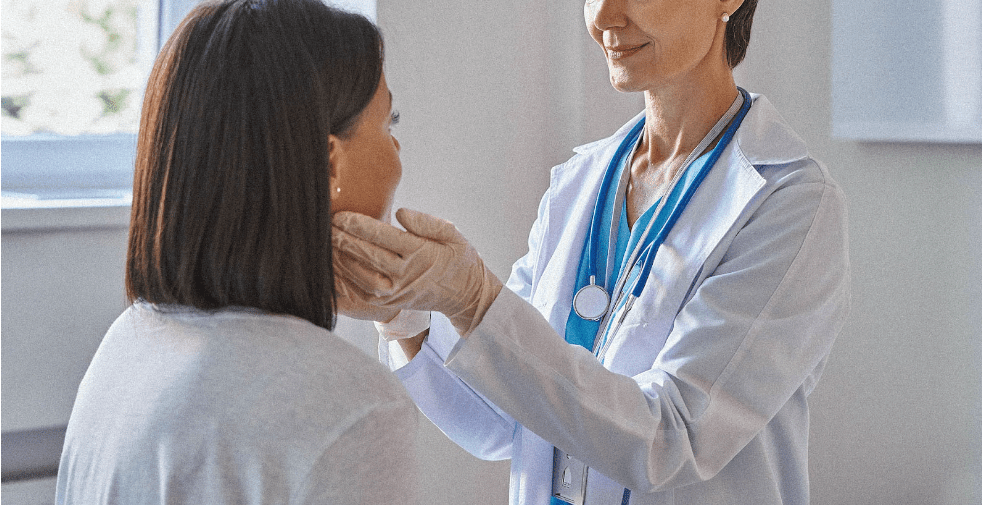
(715,207)
(722,201)
(574,190)
(723,197)
(573,194)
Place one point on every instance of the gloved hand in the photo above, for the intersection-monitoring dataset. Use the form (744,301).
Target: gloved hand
(352,301)
(430,267)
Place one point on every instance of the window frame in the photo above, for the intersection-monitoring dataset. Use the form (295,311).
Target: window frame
(48,170)
(43,167)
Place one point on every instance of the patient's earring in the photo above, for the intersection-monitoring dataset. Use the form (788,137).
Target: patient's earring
(726,18)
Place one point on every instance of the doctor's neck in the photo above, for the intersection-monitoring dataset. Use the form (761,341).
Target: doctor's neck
(679,115)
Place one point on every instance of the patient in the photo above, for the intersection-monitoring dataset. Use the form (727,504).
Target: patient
(222,382)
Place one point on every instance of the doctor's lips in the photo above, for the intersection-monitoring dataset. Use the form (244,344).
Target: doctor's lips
(618,52)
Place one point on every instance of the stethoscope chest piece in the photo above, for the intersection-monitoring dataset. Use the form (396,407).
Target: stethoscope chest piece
(591,302)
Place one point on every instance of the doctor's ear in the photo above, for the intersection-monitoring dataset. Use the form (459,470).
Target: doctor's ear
(729,7)
(738,16)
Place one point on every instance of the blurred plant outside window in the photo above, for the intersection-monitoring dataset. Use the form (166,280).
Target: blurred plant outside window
(73,67)
(73,77)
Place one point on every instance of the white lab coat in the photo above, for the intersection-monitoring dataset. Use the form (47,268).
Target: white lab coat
(702,396)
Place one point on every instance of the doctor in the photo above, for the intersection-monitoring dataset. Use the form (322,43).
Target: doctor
(684,283)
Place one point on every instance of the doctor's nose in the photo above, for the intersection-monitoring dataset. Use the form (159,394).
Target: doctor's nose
(605,14)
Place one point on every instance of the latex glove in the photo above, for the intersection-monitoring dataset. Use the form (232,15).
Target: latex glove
(407,324)
(352,301)
(431,266)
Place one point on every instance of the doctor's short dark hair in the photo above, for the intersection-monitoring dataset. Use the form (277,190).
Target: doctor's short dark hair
(738,32)
(231,193)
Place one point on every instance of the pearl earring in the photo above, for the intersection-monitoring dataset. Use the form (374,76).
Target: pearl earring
(726,18)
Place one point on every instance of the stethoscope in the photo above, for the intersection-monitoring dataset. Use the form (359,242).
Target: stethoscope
(592,302)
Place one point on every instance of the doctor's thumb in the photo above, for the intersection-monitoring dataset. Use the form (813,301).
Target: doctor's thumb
(429,227)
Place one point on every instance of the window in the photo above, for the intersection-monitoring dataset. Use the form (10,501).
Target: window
(907,71)
(94,91)
(74,73)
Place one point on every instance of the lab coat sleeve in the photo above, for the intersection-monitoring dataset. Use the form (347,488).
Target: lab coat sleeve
(462,414)
(752,333)
(465,416)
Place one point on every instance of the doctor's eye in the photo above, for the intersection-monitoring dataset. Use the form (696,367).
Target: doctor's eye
(394,119)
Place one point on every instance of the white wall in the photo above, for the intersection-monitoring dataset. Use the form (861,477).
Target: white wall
(898,415)
(491,96)
(62,288)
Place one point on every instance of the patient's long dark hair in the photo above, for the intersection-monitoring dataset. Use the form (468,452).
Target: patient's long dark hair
(231,200)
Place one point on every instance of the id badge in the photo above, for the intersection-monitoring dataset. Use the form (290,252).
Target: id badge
(568,478)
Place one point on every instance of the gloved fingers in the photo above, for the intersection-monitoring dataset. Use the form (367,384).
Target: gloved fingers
(358,281)
(371,255)
(373,288)
(354,303)
(371,282)
(373,231)
(429,227)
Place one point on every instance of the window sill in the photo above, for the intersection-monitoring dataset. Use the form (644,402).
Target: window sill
(26,213)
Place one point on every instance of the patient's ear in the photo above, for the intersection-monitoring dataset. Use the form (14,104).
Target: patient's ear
(335,160)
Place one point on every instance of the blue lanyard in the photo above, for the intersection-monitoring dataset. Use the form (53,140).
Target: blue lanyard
(614,168)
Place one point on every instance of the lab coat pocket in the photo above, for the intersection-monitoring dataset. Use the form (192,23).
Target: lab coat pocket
(635,345)
(640,337)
